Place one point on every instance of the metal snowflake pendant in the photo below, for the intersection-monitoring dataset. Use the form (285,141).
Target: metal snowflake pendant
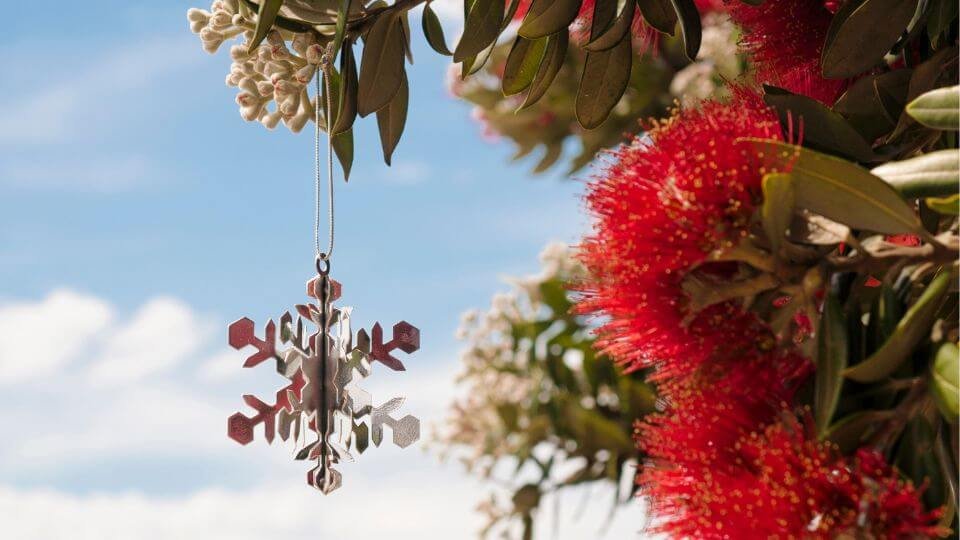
(323,397)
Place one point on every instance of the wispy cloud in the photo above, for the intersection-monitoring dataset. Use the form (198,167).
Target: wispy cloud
(38,338)
(75,101)
(100,175)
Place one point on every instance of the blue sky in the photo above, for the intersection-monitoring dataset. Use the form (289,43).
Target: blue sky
(139,215)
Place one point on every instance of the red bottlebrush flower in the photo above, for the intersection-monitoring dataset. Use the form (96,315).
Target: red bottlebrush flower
(727,459)
(785,40)
(670,198)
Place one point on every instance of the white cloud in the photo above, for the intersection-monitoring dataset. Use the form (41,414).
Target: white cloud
(170,410)
(408,173)
(53,113)
(96,174)
(162,333)
(221,366)
(38,338)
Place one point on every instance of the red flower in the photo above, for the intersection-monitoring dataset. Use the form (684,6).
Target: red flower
(779,482)
(785,39)
(670,198)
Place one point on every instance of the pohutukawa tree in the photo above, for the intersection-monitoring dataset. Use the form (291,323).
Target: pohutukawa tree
(775,245)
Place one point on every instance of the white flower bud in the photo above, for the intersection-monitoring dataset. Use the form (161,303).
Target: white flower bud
(221,20)
(251,112)
(301,42)
(265,88)
(286,88)
(270,120)
(239,53)
(305,73)
(198,15)
(314,52)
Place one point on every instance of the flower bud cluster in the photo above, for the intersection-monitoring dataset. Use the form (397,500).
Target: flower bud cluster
(272,79)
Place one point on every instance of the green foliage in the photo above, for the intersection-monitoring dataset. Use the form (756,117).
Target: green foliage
(539,400)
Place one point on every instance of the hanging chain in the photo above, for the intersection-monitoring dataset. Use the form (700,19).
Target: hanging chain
(326,66)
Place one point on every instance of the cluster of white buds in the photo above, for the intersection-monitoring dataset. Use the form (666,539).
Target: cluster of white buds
(717,61)
(491,345)
(273,72)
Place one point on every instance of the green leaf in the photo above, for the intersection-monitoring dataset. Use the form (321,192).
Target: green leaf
(614,35)
(822,128)
(381,67)
(912,329)
(861,106)
(346,112)
(546,17)
(832,357)
(840,190)
(266,15)
(522,64)
(937,109)
(931,74)
(927,175)
(343,148)
(891,90)
(480,29)
(553,59)
(861,33)
(945,380)
(850,432)
(689,26)
(777,209)
(605,78)
(884,316)
(391,121)
(341,26)
(433,31)
(949,206)
(942,13)
(659,14)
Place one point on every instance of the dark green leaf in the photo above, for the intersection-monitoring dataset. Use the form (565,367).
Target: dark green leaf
(937,109)
(777,209)
(546,17)
(850,432)
(391,120)
(927,175)
(347,99)
(604,14)
(381,67)
(891,91)
(341,26)
(480,29)
(433,31)
(941,15)
(605,77)
(840,190)
(552,62)
(832,357)
(861,106)
(659,14)
(912,329)
(343,148)
(949,206)
(522,64)
(822,128)
(266,15)
(934,72)
(861,33)
(689,26)
(945,380)
(614,34)
(884,316)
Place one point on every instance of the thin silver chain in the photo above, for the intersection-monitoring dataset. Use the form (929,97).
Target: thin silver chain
(323,71)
